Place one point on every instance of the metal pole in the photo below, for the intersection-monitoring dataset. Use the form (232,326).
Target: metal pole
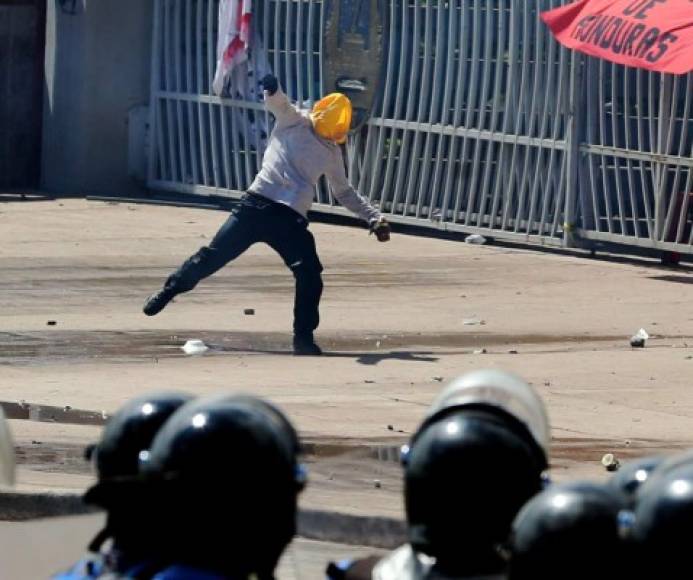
(575,110)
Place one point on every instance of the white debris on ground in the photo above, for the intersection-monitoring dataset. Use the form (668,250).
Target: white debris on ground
(639,339)
(610,462)
(475,239)
(194,346)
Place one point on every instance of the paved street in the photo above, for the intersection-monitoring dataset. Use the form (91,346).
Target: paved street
(399,320)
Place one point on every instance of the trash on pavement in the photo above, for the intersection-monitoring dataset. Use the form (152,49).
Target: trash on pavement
(475,239)
(610,462)
(639,339)
(194,347)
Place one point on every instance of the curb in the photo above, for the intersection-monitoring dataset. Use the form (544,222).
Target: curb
(17,507)
(374,531)
(325,526)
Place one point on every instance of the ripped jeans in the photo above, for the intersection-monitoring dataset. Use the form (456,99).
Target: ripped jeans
(257,219)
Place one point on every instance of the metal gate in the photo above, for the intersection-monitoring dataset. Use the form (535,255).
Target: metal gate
(636,157)
(484,123)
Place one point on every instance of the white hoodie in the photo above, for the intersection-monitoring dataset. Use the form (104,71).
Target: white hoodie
(295,159)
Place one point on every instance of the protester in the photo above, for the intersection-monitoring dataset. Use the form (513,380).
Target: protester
(302,147)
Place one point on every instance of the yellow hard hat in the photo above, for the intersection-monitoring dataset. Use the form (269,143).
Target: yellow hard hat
(331,117)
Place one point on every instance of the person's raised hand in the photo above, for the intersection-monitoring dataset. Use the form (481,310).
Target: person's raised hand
(270,84)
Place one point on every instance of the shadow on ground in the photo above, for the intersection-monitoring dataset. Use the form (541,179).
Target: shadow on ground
(675,279)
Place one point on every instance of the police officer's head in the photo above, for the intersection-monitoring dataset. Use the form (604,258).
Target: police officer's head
(628,479)
(505,395)
(129,434)
(669,464)
(7,463)
(228,469)
(663,524)
(124,442)
(569,531)
(470,467)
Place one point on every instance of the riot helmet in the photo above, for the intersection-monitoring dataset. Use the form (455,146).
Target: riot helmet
(129,433)
(124,443)
(274,413)
(569,531)
(503,393)
(228,461)
(663,524)
(628,479)
(467,473)
(669,464)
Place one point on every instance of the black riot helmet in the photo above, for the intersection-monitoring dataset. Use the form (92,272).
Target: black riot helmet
(668,464)
(124,442)
(227,467)
(467,474)
(274,413)
(628,479)
(663,524)
(129,433)
(569,531)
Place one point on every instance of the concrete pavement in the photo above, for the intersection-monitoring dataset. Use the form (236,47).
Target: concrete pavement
(399,319)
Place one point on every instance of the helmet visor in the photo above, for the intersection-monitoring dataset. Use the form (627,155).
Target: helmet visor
(503,390)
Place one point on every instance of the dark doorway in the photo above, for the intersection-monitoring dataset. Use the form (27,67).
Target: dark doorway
(22,46)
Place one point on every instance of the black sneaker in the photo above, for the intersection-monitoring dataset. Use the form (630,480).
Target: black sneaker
(157,302)
(305,346)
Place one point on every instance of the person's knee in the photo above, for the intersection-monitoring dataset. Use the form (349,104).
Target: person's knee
(205,261)
(205,253)
(308,271)
(192,271)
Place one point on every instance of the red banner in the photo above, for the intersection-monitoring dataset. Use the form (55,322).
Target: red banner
(650,34)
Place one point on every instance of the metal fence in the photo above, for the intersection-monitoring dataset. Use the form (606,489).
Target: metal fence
(484,123)
(636,156)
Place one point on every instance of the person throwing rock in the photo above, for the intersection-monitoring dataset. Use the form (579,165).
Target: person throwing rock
(303,146)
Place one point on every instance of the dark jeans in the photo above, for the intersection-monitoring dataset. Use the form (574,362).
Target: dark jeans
(257,219)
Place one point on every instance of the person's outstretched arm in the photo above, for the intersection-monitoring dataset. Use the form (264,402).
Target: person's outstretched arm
(355,203)
(278,103)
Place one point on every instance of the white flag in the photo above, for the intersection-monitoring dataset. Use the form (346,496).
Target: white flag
(234,39)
